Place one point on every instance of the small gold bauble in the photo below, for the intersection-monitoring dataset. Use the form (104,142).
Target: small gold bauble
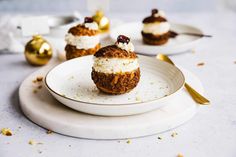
(102,21)
(38,51)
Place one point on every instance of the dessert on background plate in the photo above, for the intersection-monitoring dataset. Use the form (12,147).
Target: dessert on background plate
(155,28)
(82,39)
(116,68)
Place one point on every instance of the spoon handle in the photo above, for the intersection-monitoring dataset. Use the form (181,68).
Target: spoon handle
(198,35)
(173,34)
(196,96)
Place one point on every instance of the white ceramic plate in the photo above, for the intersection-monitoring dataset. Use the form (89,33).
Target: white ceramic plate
(71,84)
(181,43)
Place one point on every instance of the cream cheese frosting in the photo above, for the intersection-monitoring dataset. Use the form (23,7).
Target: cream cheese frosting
(82,42)
(160,13)
(128,47)
(156,28)
(115,65)
(92,25)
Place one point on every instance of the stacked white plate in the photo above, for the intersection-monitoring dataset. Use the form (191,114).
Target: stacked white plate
(157,104)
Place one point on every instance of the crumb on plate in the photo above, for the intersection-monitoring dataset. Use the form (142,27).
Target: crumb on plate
(174,134)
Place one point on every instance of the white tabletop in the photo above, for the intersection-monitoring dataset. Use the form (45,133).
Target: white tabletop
(212,132)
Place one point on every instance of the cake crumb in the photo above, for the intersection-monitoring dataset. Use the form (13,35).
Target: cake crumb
(39,78)
(138,98)
(49,132)
(34,81)
(71,78)
(39,151)
(35,91)
(201,64)
(40,86)
(174,134)
(159,138)
(31,142)
(180,155)
(128,141)
(6,132)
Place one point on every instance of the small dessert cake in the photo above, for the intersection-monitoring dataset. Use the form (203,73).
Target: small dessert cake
(82,39)
(155,28)
(116,68)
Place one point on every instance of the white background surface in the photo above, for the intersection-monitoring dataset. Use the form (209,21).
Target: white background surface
(212,132)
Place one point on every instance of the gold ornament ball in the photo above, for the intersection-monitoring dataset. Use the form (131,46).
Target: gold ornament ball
(38,51)
(102,21)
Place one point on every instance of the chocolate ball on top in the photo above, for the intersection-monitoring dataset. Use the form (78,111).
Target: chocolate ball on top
(82,39)
(155,28)
(116,68)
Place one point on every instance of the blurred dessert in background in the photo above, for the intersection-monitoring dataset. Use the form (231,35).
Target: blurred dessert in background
(82,39)
(155,28)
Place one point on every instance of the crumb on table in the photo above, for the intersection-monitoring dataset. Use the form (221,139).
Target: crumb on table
(6,132)
(39,151)
(159,138)
(128,141)
(35,91)
(39,78)
(201,64)
(180,155)
(49,132)
(40,86)
(34,81)
(31,142)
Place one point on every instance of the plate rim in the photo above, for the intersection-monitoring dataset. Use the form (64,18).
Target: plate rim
(107,105)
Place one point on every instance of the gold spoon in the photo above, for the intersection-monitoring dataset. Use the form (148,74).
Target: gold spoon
(173,34)
(194,94)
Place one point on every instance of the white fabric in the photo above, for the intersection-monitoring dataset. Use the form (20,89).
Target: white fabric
(8,31)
